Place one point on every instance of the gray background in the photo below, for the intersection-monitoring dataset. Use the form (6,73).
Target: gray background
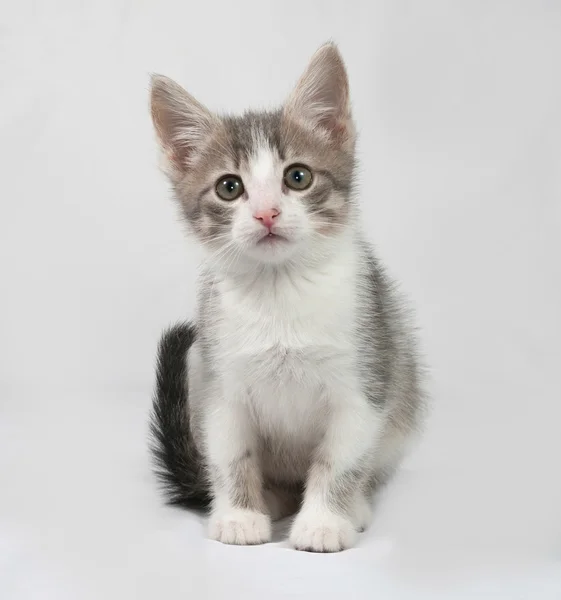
(459,110)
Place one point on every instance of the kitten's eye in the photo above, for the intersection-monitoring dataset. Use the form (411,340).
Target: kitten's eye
(229,187)
(298,177)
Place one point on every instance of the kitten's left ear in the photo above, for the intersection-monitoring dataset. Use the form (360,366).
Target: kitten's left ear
(320,99)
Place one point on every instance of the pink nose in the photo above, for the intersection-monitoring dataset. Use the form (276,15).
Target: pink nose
(266,216)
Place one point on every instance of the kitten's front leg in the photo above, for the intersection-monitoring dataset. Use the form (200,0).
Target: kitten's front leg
(340,468)
(238,514)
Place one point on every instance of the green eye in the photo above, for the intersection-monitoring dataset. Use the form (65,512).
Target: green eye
(229,187)
(298,177)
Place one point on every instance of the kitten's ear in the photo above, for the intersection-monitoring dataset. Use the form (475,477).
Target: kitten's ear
(182,124)
(321,96)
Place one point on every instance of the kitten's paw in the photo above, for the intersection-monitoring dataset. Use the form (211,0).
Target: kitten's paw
(241,527)
(322,532)
(361,512)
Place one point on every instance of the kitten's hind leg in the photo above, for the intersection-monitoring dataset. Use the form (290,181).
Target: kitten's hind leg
(361,508)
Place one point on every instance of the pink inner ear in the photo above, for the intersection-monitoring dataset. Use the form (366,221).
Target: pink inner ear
(173,159)
(336,127)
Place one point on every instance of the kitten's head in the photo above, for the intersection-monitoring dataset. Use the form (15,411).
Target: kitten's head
(264,187)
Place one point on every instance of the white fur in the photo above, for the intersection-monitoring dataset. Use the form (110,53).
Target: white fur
(293,349)
(320,530)
(361,511)
(241,527)
(262,167)
(287,361)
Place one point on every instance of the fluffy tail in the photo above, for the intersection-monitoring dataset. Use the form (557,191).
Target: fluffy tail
(179,465)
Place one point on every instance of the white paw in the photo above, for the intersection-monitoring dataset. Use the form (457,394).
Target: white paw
(322,532)
(361,512)
(241,527)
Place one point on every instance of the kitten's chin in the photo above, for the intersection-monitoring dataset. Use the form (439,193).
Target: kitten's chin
(272,249)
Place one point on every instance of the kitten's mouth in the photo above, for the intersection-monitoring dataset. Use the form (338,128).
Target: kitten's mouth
(272,239)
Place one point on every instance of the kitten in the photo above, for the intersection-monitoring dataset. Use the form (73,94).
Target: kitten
(297,386)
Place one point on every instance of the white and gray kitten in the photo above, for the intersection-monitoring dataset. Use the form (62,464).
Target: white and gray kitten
(297,387)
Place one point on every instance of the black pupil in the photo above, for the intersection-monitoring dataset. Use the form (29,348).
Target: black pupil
(298,175)
(231,185)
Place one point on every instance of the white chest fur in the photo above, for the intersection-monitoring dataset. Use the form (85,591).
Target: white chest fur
(286,339)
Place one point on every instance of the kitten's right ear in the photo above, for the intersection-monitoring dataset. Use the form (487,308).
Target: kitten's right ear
(182,124)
